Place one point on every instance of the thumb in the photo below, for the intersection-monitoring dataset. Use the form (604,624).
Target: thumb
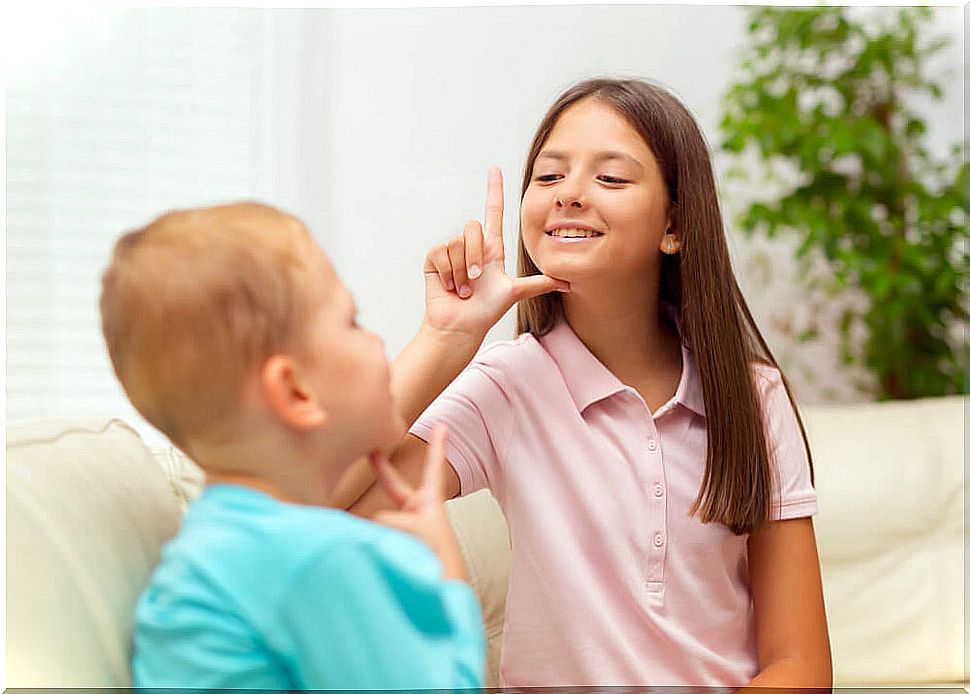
(534,285)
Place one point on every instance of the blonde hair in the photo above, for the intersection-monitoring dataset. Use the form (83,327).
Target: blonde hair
(195,301)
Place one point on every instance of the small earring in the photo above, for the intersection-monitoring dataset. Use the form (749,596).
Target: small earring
(670,245)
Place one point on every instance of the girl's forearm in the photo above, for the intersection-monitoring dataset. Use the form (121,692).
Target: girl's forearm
(426,366)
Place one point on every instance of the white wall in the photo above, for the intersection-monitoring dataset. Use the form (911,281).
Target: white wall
(375,126)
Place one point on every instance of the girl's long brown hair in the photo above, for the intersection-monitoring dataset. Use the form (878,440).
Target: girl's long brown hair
(717,325)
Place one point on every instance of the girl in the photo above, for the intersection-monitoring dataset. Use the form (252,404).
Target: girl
(638,434)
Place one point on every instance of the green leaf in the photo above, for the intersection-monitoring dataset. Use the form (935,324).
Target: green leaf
(915,127)
(808,335)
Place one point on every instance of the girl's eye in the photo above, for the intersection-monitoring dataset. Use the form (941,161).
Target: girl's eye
(613,180)
(547,178)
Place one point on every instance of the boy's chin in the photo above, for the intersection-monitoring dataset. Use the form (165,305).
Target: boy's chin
(388,437)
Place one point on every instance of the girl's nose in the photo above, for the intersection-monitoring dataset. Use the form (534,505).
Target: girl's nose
(571,199)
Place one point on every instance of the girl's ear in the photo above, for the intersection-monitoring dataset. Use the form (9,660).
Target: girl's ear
(288,396)
(670,243)
(672,210)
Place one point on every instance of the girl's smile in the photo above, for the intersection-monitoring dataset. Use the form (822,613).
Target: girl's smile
(570,232)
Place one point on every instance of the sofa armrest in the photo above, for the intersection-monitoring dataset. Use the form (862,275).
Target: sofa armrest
(87,515)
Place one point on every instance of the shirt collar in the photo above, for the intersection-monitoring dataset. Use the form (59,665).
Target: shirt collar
(589,381)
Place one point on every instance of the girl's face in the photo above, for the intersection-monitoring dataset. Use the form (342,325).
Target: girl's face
(596,206)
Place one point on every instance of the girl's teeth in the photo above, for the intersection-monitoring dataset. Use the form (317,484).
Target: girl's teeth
(573,233)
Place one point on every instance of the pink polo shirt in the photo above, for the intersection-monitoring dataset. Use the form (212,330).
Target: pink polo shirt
(612,582)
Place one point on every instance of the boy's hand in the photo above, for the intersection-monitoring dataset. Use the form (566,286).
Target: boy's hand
(422,511)
(466,287)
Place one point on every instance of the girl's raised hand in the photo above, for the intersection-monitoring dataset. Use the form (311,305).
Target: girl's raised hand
(466,287)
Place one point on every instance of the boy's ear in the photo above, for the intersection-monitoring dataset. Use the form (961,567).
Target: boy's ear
(288,396)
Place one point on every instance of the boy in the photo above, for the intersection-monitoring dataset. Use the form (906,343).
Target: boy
(232,334)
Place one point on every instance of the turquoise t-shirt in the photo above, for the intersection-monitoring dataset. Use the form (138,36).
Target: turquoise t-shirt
(255,593)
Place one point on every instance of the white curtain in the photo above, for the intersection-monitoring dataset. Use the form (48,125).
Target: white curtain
(137,112)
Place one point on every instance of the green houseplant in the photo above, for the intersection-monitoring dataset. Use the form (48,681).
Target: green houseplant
(824,91)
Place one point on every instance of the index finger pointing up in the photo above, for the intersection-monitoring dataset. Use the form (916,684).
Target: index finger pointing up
(494,208)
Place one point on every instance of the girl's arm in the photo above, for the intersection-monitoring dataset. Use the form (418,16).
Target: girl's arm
(786,585)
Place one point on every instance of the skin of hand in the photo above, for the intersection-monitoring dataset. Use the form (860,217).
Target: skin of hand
(466,287)
(421,511)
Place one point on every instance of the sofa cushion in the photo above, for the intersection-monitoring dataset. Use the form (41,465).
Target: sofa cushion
(88,510)
(890,531)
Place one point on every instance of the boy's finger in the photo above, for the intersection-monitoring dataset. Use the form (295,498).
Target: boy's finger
(474,244)
(397,488)
(432,486)
(456,256)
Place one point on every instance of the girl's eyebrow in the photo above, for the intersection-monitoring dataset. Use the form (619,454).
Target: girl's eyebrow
(606,155)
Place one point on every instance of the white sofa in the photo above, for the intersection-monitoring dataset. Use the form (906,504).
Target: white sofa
(89,507)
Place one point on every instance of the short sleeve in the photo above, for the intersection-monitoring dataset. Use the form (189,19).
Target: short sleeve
(185,637)
(367,615)
(793,495)
(478,414)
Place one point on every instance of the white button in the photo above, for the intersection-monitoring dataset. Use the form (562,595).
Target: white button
(658,540)
(652,444)
(659,490)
